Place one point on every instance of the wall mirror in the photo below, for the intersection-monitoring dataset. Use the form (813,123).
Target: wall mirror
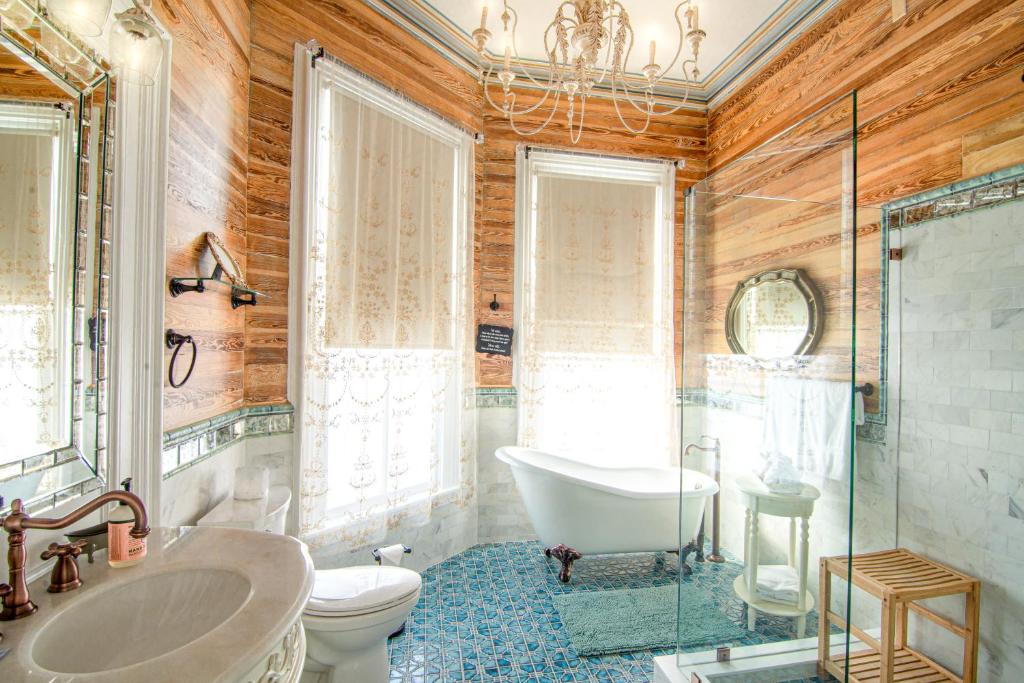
(775,314)
(56,116)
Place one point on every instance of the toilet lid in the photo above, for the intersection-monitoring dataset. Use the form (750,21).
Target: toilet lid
(360,590)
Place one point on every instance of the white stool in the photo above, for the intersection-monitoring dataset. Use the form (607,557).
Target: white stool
(759,500)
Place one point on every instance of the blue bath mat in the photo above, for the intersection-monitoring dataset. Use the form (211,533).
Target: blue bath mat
(604,622)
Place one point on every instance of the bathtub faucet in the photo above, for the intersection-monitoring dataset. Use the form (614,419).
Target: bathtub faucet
(713,446)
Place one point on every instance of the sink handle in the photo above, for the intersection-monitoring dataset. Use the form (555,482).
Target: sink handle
(65,572)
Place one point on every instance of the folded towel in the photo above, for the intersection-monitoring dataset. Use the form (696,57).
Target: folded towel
(778,583)
(780,476)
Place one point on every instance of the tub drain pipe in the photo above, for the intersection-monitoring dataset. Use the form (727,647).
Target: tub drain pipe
(716,448)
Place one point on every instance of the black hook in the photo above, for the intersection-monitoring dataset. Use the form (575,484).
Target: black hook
(494,303)
(176,341)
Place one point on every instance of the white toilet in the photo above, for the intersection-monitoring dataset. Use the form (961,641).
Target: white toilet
(349,617)
(351,611)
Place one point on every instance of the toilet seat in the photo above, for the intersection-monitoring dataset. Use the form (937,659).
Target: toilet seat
(352,591)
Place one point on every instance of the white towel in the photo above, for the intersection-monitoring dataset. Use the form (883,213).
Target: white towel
(808,421)
(779,475)
(778,583)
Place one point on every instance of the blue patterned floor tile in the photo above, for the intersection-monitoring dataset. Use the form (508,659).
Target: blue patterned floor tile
(487,615)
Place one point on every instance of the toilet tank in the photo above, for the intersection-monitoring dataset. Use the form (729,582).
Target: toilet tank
(267,514)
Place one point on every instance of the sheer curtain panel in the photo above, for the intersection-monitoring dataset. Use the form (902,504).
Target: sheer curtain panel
(595,373)
(386,416)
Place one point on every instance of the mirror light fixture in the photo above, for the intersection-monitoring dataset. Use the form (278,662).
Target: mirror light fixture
(85,17)
(588,45)
(136,47)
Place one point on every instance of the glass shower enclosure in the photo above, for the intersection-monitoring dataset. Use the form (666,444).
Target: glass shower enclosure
(780,365)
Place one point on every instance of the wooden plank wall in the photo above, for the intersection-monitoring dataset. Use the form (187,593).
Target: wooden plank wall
(362,38)
(371,43)
(940,99)
(680,136)
(206,188)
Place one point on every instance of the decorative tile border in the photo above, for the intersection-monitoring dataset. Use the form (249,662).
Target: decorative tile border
(968,195)
(497,397)
(186,446)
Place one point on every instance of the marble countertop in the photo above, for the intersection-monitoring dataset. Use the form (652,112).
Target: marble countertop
(279,572)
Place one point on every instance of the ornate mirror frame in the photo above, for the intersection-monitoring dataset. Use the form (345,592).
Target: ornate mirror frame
(90,81)
(807,288)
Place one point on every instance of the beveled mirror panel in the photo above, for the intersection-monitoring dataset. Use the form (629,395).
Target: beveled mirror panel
(775,314)
(56,104)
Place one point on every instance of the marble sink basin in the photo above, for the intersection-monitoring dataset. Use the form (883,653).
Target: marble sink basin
(152,616)
(207,604)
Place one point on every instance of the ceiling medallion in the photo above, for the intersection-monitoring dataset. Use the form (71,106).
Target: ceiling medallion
(588,45)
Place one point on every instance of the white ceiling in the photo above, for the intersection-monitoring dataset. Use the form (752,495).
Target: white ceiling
(728,23)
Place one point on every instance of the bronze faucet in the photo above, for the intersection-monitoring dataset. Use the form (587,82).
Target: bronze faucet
(16,602)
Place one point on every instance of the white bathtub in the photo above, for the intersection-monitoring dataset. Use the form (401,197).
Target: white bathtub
(600,510)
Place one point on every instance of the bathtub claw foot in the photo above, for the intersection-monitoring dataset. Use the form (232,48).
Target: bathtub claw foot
(566,556)
(684,553)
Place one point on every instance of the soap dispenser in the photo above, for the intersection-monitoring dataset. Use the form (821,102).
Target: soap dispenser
(123,550)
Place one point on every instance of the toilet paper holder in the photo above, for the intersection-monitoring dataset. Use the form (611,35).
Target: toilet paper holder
(376,552)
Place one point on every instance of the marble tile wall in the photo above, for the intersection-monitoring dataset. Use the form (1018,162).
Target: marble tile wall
(502,515)
(961,469)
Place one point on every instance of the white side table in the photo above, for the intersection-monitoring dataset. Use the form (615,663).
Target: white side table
(759,500)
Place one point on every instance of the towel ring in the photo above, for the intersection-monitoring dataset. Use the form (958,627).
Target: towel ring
(176,341)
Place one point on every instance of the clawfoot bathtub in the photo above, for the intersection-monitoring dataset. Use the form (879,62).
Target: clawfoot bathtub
(579,509)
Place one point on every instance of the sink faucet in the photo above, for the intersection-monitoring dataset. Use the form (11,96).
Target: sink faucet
(16,601)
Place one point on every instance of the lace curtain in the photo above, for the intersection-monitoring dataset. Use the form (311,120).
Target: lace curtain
(596,373)
(35,265)
(387,420)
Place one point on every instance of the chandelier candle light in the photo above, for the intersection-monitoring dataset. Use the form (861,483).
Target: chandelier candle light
(588,45)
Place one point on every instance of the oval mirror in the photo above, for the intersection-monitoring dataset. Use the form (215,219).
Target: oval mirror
(225,261)
(774,314)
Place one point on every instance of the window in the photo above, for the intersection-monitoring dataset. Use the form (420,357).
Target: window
(595,373)
(388,362)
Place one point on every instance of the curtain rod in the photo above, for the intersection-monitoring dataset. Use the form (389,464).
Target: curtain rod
(317,52)
(678,163)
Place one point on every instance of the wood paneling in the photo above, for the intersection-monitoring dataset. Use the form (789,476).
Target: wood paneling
(206,189)
(939,99)
(362,38)
(680,136)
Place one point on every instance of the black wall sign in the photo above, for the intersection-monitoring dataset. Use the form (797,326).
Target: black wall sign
(494,339)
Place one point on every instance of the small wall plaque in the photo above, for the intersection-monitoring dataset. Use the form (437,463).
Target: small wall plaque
(494,339)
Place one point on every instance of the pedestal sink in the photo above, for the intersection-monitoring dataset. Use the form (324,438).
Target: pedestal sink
(206,605)
(140,620)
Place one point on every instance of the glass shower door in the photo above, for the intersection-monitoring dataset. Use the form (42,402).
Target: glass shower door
(776,379)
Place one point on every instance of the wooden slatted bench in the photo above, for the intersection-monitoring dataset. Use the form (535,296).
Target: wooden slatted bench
(898,578)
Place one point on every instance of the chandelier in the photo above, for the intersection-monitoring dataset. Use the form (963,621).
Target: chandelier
(587,46)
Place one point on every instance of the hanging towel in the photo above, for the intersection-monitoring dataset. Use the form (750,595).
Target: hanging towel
(809,422)
(778,583)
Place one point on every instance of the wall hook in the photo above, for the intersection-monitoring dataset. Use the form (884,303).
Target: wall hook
(494,303)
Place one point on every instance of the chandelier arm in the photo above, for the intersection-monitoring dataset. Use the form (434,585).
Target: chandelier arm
(618,111)
(541,126)
(510,112)
(515,48)
(629,95)
(682,41)
(579,129)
